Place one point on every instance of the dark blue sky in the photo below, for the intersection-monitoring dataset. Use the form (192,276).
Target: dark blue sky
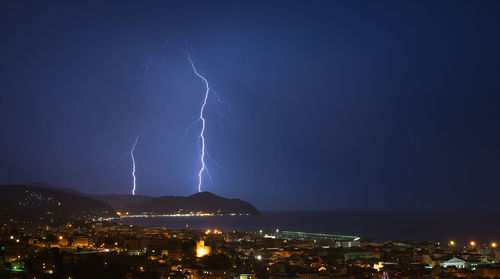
(335,104)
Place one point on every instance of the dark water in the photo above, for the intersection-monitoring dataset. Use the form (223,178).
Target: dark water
(379,225)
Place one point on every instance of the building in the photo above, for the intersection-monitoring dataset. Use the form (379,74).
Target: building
(201,249)
(81,240)
(454,262)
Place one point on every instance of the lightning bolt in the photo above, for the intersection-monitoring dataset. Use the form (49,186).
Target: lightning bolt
(220,104)
(133,165)
(202,119)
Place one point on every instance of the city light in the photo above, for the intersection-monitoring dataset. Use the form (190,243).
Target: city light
(308,239)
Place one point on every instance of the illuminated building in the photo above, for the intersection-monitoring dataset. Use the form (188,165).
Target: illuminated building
(17,265)
(201,249)
(63,242)
(456,262)
(80,240)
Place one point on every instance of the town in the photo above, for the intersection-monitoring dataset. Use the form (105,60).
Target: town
(106,249)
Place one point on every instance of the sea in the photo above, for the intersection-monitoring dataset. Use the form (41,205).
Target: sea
(390,225)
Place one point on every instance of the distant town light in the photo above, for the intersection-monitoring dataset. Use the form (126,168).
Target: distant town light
(259,257)
(494,245)
(472,243)
(452,243)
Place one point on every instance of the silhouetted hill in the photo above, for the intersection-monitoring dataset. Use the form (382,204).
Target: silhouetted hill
(48,186)
(117,201)
(121,202)
(205,202)
(26,203)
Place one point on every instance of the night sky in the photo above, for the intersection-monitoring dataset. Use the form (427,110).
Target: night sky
(331,105)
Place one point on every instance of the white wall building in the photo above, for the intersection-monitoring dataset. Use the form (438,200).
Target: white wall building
(456,262)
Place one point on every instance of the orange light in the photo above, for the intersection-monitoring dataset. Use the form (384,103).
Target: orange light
(201,249)
(494,245)
(472,243)
(200,252)
(60,237)
(452,243)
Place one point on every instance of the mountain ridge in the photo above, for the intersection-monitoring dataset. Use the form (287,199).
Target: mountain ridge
(199,202)
(206,202)
(27,204)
